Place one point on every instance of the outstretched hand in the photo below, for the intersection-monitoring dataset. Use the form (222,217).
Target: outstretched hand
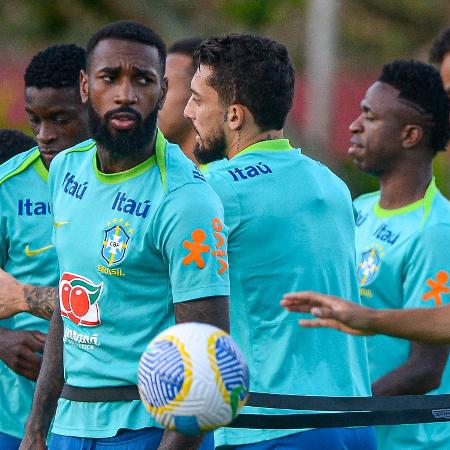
(330,312)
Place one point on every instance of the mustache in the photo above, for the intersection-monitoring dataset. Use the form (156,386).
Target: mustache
(123,109)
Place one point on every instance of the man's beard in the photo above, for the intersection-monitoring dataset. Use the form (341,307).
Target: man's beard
(124,142)
(213,150)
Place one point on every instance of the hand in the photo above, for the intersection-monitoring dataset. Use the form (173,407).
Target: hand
(12,300)
(32,443)
(19,351)
(330,312)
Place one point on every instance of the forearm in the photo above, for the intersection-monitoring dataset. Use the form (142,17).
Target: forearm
(426,325)
(40,300)
(49,384)
(421,373)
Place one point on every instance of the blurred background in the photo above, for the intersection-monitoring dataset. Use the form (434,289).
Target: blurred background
(337,46)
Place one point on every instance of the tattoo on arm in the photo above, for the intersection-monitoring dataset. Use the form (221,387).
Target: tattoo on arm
(41,300)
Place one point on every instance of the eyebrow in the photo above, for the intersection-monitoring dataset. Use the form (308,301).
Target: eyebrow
(195,92)
(136,69)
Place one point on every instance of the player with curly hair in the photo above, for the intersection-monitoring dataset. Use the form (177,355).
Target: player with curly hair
(241,95)
(402,236)
(58,120)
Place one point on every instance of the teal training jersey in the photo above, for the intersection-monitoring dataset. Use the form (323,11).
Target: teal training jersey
(403,262)
(130,245)
(27,253)
(291,229)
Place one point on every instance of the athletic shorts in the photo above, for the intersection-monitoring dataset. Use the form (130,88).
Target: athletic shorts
(145,439)
(318,439)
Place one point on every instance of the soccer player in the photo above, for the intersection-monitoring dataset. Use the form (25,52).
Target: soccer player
(291,224)
(440,54)
(141,245)
(180,69)
(58,120)
(403,233)
(13,142)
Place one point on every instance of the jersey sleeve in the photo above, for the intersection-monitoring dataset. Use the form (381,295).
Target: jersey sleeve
(229,199)
(190,233)
(427,274)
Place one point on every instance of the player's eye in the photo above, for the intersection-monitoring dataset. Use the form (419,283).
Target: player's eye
(33,119)
(107,78)
(144,81)
(62,120)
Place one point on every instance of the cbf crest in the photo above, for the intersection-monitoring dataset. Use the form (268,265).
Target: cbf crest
(115,241)
(369,265)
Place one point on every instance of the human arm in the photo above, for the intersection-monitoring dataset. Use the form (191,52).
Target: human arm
(418,324)
(48,388)
(19,350)
(16,297)
(212,310)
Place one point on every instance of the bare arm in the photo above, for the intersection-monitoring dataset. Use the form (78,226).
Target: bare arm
(48,388)
(16,297)
(419,324)
(420,374)
(212,310)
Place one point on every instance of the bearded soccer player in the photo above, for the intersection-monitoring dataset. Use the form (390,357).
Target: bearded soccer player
(58,120)
(13,142)
(276,241)
(180,69)
(403,234)
(132,213)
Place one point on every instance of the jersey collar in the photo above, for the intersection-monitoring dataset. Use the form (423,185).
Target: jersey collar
(40,168)
(424,202)
(113,178)
(273,145)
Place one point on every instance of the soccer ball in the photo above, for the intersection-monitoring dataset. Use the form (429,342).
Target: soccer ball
(193,378)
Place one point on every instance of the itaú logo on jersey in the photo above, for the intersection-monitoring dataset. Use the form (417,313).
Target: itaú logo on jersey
(78,299)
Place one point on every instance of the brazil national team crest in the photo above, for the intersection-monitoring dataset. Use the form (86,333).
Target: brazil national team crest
(369,265)
(78,299)
(115,241)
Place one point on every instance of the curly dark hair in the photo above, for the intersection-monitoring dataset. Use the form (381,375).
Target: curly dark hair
(56,67)
(186,47)
(252,70)
(128,30)
(421,84)
(440,46)
(13,142)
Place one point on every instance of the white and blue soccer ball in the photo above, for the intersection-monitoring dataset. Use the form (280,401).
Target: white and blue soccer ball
(193,378)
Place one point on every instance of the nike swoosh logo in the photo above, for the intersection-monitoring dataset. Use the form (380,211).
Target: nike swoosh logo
(60,224)
(30,252)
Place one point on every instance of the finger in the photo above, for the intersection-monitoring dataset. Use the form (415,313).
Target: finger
(35,343)
(308,297)
(297,308)
(41,337)
(320,323)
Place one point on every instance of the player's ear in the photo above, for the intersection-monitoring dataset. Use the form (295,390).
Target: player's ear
(411,135)
(164,88)
(235,115)
(84,88)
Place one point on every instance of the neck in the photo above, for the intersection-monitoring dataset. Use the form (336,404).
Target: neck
(405,186)
(242,140)
(187,144)
(113,163)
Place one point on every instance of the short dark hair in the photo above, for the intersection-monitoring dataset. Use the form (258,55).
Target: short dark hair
(57,67)
(13,142)
(252,70)
(128,30)
(186,47)
(421,84)
(440,46)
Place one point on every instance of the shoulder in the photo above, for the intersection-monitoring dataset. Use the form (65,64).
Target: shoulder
(437,212)
(369,198)
(66,156)
(176,169)
(18,164)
